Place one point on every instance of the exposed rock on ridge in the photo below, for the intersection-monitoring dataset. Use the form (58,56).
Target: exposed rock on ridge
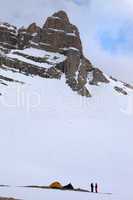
(8,37)
(57,35)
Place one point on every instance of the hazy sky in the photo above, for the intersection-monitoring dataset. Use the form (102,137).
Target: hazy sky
(106,27)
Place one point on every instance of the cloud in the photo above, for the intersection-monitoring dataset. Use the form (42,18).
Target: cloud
(111,25)
(105,27)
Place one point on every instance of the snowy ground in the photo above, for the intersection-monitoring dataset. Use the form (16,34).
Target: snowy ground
(33,194)
(50,133)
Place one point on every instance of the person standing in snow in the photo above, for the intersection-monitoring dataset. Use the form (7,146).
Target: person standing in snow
(96,188)
(92,187)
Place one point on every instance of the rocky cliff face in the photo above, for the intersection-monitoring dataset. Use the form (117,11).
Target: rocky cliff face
(8,36)
(59,34)
(49,52)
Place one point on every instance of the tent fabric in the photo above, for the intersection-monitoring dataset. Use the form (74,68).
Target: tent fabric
(56,185)
(68,187)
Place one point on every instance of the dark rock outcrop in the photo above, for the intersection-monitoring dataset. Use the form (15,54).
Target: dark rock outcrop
(28,35)
(59,35)
(56,35)
(98,77)
(23,38)
(120,90)
(8,37)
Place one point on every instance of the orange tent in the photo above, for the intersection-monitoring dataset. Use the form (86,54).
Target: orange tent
(56,185)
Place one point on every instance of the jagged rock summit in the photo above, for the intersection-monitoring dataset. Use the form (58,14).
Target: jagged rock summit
(59,34)
(51,51)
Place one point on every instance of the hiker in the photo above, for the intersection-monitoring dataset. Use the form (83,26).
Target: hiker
(96,188)
(92,187)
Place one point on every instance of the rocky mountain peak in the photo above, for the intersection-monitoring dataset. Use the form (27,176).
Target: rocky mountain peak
(49,52)
(61,15)
(33,28)
(59,34)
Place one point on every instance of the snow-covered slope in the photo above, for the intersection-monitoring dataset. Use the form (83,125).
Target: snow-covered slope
(50,57)
(34,194)
(50,133)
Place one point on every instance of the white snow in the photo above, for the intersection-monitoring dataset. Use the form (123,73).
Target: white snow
(1,52)
(14,75)
(52,58)
(71,34)
(34,194)
(31,42)
(50,133)
(55,17)
(90,76)
(60,30)
(26,60)
(43,43)
(56,30)
(34,34)
(7,27)
(77,73)
(70,48)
